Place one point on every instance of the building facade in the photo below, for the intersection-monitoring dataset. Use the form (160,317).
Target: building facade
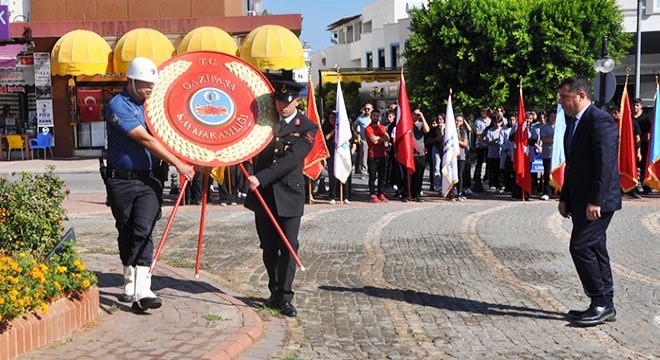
(38,24)
(375,38)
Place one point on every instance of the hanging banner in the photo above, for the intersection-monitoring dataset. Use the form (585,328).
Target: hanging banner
(89,105)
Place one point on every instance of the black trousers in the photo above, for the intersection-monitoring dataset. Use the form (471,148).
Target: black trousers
(376,167)
(481,157)
(547,168)
(417,178)
(589,252)
(279,263)
(135,206)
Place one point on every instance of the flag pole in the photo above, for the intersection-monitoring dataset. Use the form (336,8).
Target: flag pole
(274,221)
(309,190)
(182,194)
(229,192)
(200,239)
(341,192)
(522,191)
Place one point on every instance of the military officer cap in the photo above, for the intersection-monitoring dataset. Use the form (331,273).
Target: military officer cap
(286,90)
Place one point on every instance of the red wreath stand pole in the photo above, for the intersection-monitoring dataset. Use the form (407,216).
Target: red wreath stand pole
(182,193)
(285,240)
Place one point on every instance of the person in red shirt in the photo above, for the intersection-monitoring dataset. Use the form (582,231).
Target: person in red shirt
(376,135)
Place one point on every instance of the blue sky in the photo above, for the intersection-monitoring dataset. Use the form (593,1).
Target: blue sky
(317,15)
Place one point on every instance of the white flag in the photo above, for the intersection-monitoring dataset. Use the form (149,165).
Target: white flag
(450,152)
(343,134)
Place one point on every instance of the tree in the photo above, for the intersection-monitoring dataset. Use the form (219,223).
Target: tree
(329,93)
(481,48)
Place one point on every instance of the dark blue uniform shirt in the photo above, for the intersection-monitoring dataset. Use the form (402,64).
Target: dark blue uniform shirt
(123,115)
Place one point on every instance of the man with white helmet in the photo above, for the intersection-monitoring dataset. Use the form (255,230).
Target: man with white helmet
(134,193)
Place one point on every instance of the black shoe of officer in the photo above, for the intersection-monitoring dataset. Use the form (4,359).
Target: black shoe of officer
(288,310)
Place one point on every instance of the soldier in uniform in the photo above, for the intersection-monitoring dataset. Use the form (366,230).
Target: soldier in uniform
(278,174)
(134,189)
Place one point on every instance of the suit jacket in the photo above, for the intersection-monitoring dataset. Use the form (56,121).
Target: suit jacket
(279,168)
(592,174)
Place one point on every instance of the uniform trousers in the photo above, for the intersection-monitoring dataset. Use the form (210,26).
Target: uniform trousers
(280,265)
(135,206)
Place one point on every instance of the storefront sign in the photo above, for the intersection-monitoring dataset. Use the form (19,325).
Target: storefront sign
(45,113)
(5,34)
(20,75)
(42,69)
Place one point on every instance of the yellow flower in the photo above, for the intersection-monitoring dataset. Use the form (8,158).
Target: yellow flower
(57,285)
(85,284)
(44,308)
(22,255)
(2,301)
(60,269)
(76,276)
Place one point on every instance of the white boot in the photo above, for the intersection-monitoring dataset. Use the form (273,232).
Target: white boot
(129,284)
(144,297)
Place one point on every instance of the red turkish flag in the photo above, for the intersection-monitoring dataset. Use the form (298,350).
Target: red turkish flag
(313,161)
(627,153)
(89,105)
(521,163)
(404,142)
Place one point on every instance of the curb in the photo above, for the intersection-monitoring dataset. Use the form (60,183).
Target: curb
(251,331)
(31,332)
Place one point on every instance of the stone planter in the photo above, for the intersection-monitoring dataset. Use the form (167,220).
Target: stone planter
(65,316)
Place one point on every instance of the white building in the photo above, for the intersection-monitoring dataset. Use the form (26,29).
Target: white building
(375,38)
(372,39)
(650,50)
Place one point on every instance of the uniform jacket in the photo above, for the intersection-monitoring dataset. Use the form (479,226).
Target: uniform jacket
(592,174)
(279,168)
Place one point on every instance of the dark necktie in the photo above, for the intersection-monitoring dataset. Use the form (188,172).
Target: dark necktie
(571,131)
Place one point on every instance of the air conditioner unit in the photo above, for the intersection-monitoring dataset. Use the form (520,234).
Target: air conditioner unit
(251,13)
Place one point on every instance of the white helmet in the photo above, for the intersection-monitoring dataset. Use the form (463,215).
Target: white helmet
(142,69)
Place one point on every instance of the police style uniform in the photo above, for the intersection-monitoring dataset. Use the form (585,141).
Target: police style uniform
(134,192)
(279,169)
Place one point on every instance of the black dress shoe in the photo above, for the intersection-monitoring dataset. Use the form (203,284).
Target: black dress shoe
(272,303)
(288,310)
(596,315)
(576,314)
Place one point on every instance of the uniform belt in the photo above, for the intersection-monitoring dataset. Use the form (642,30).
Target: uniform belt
(130,174)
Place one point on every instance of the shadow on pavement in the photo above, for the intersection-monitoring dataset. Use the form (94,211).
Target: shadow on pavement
(450,303)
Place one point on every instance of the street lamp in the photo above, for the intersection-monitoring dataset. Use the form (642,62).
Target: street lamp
(603,65)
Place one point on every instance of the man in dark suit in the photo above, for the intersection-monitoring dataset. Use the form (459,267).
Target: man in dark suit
(278,174)
(590,196)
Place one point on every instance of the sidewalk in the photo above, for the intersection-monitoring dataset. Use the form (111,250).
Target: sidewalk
(39,166)
(198,320)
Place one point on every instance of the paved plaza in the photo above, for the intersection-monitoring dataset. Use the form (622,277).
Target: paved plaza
(486,278)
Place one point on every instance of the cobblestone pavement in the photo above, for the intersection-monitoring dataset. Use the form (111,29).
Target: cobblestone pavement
(435,280)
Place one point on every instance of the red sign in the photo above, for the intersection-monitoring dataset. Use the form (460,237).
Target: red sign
(211,108)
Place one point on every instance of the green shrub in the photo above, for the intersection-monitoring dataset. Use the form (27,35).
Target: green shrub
(31,216)
(31,212)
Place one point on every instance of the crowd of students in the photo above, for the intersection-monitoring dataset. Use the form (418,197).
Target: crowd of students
(485,162)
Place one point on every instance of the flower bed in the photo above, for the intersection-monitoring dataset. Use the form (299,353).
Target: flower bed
(31,277)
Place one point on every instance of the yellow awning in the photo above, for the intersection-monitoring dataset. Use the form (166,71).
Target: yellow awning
(273,47)
(80,52)
(141,42)
(208,38)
